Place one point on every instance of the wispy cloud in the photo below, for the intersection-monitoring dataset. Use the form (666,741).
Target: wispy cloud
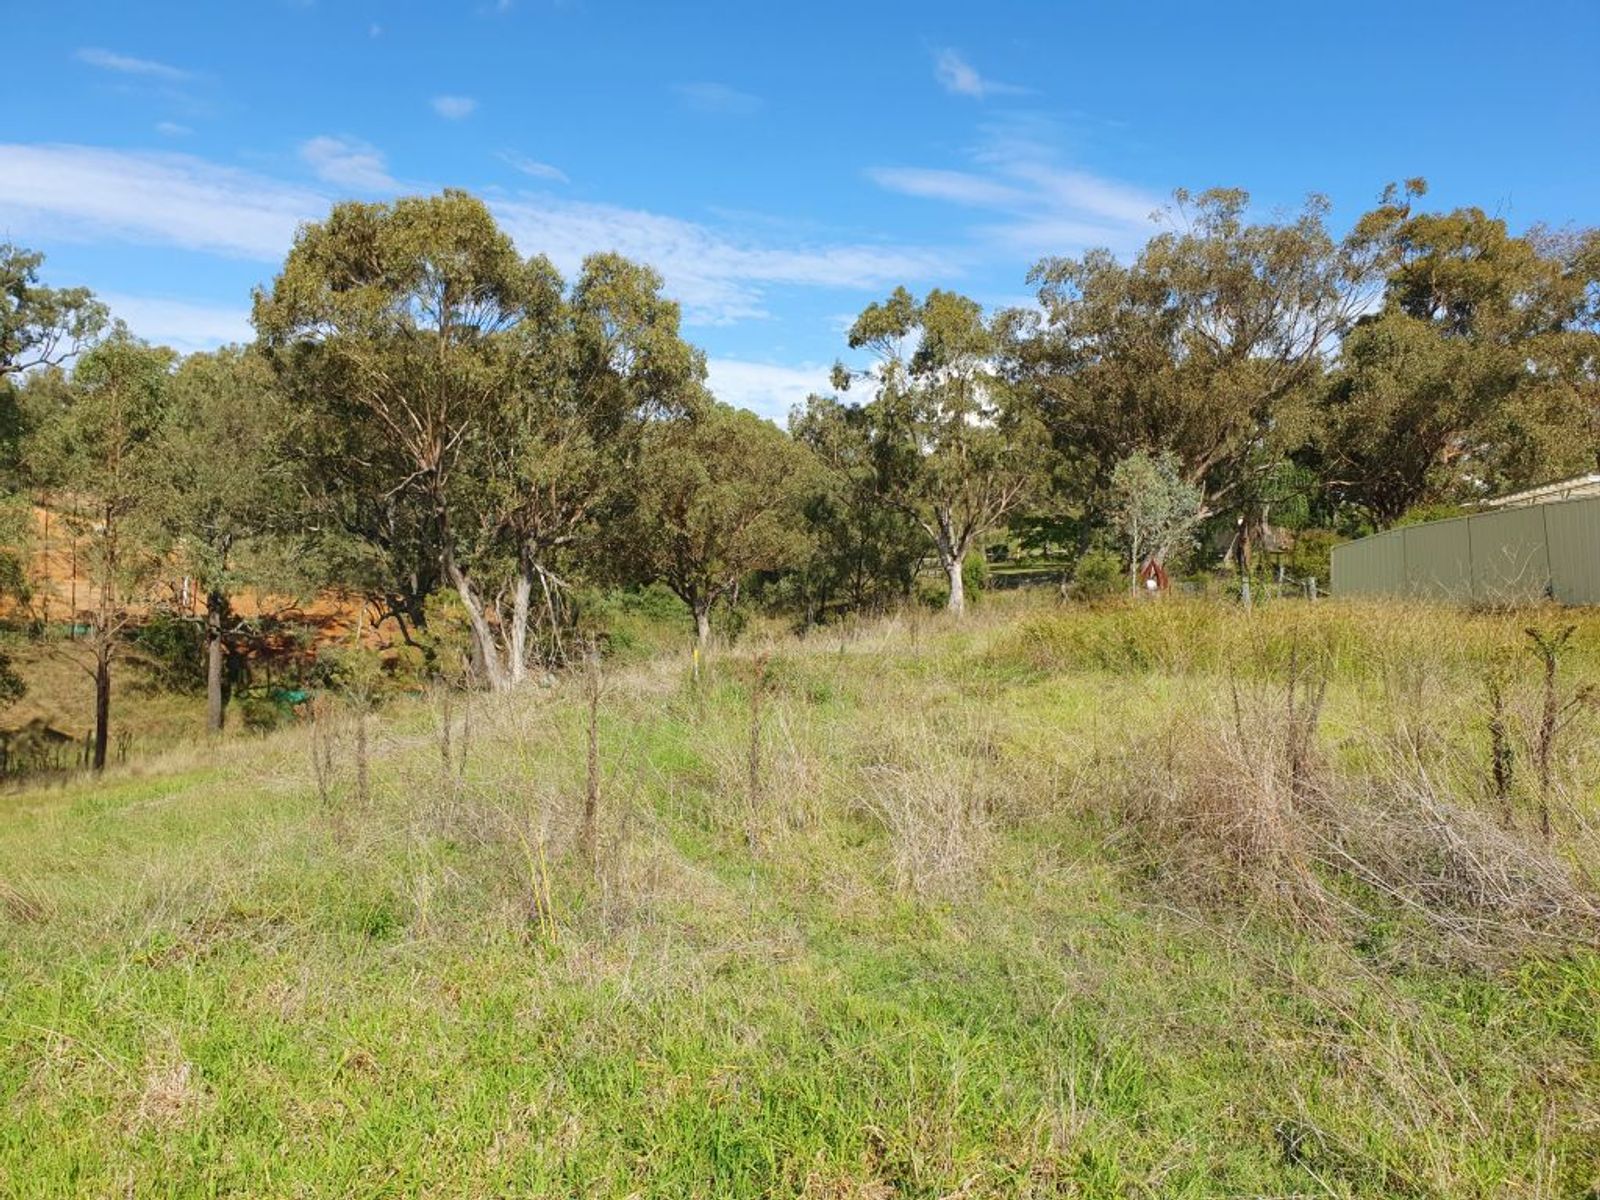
(1039,204)
(348,163)
(718,98)
(454,108)
(172,129)
(126,64)
(960,78)
(958,187)
(719,279)
(85,193)
(533,167)
(770,389)
(184,325)
(90,194)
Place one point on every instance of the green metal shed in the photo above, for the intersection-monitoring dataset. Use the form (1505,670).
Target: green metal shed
(1513,555)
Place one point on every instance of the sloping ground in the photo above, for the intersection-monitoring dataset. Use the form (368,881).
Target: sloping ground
(917,944)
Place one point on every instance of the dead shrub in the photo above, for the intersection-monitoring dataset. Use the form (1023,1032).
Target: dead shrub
(1238,806)
(1212,810)
(936,804)
(1487,891)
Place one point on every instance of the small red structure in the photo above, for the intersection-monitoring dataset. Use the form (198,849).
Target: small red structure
(1153,577)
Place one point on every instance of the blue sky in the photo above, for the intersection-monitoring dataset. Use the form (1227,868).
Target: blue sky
(782,165)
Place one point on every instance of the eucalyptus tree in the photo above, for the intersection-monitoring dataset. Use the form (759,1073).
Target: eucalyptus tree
(101,445)
(570,432)
(390,324)
(863,553)
(1480,373)
(956,447)
(41,326)
(231,493)
(460,407)
(719,498)
(1209,345)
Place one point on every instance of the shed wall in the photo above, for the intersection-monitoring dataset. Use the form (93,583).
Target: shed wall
(1511,556)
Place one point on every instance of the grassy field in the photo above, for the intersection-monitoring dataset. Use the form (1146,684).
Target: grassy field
(1150,901)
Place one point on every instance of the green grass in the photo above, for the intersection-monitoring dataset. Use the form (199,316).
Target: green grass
(211,983)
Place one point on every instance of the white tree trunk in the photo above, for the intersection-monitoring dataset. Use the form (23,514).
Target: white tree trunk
(517,640)
(702,624)
(958,587)
(951,556)
(489,656)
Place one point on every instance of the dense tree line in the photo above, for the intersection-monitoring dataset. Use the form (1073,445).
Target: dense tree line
(426,412)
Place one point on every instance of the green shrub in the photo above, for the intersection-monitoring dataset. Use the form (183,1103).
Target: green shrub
(261,715)
(975,574)
(1097,575)
(1312,555)
(172,648)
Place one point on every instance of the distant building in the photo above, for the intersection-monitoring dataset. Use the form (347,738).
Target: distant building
(1575,488)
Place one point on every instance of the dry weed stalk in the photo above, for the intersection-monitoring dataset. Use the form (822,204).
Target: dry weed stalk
(1555,713)
(1502,758)
(593,686)
(323,747)
(753,775)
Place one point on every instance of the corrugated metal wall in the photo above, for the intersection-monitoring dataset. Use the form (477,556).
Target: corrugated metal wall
(1515,555)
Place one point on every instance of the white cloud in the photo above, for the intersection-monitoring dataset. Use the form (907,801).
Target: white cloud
(454,108)
(183,325)
(718,279)
(348,163)
(958,187)
(126,64)
(765,388)
(172,129)
(83,193)
(1040,205)
(534,168)
(718,98)
(960,78)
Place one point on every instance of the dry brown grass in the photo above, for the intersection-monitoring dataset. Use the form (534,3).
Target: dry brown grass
(1240,800)
(937,805)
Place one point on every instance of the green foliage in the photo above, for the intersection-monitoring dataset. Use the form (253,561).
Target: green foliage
(1098,574)
(956,448)
(1206,346)
(720,497)
(975,573)
(1152,507)
(1422,514)
(40,326)
(172,650)
(261,714)
(1312,555)
(864,553)
(1471,379)
(535,400)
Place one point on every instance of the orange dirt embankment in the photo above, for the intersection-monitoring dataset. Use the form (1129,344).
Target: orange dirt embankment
(65,593)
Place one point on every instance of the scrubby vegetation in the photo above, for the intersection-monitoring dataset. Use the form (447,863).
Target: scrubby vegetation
(1140,899)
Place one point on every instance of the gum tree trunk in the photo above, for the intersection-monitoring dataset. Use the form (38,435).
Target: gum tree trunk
(102,703)
(216,611)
